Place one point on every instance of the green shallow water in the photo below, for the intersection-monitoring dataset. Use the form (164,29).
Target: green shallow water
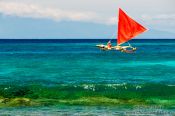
(88,94)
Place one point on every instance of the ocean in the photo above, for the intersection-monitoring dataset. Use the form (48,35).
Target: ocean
(74,77)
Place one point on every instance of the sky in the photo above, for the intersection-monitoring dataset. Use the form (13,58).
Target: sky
(75,19)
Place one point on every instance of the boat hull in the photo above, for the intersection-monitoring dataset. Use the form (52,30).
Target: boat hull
(103,47)
(126,49)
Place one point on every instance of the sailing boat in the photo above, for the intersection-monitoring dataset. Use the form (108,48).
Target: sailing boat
(127,29)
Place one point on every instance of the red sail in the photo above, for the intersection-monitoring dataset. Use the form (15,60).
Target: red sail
(127,28)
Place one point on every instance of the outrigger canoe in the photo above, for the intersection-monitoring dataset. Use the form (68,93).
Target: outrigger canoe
(127,30)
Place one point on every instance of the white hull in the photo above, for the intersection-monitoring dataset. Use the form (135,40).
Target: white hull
(103,47)
(127,49)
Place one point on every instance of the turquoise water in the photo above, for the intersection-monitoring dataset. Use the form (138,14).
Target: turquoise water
(76,69)
(63,62)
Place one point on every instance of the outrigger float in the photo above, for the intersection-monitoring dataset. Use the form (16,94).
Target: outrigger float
(127,29)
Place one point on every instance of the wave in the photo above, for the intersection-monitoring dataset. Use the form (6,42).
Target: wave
(88,94)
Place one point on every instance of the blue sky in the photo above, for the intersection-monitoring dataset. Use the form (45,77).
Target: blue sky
(83,18)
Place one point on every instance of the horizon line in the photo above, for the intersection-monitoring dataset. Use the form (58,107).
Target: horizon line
(74,38)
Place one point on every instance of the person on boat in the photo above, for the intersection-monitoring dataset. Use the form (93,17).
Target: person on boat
(109,45)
